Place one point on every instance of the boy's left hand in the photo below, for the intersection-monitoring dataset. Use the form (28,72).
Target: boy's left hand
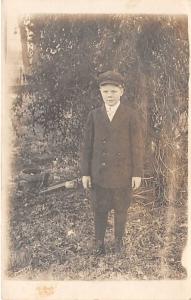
(136,182)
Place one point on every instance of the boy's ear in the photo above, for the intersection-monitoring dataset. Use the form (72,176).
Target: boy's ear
(122,90)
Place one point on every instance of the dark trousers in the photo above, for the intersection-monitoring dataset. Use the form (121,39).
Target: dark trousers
(104,200)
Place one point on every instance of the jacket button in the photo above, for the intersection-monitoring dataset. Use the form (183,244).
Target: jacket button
(104,141)
(103,164)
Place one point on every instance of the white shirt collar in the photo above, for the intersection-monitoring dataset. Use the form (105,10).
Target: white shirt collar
(113,107)
(111,110)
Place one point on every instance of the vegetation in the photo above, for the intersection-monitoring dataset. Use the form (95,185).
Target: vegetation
(68,53)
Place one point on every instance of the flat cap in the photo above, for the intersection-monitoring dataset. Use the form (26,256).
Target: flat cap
(110,77)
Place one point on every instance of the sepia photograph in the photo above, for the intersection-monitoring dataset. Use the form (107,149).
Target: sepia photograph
(98,167)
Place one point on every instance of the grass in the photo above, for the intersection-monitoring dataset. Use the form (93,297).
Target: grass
(52,236)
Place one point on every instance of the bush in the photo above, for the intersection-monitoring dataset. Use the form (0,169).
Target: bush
(60,87)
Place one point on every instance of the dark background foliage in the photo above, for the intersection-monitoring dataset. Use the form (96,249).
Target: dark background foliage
(69,53)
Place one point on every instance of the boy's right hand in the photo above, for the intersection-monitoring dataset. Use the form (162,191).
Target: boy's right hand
(86,182)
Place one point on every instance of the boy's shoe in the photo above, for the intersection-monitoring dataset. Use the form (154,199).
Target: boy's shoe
(99,249)
(118,245)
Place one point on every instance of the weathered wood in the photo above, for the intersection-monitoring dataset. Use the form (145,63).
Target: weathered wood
(66,184)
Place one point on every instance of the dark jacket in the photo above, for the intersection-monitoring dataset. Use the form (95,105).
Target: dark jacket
(112,152)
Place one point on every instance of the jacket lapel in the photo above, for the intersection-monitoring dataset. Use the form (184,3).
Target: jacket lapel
(104,116)
(118,114)
(116,121)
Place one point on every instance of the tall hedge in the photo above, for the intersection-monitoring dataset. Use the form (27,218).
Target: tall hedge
(60,87)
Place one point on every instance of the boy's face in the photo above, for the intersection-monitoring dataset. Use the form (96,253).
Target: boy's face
(111,94)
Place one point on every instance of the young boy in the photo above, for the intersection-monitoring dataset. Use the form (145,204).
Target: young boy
(111,158)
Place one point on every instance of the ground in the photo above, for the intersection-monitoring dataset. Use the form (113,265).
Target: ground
(52,237)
